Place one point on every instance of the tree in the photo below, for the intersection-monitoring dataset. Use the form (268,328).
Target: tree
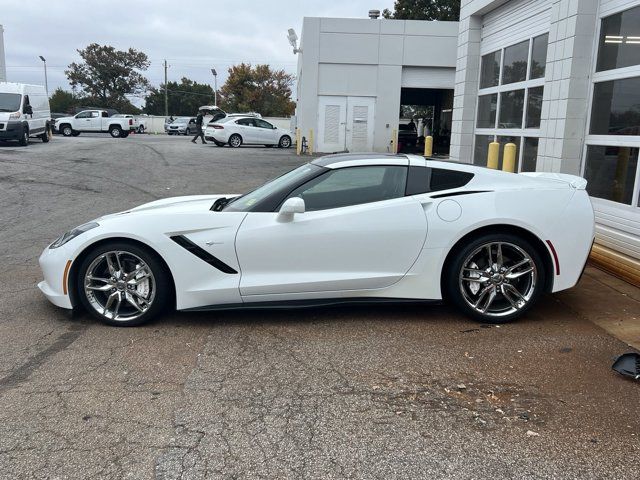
(62,101)
(424,10)
(106,75)
(258,89)
(184,98)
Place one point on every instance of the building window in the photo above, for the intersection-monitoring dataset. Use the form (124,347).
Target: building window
(616,107)
(490,70)
(611,172)
(534,107)
(510,100)
(487,106)
(539,56)
(529,154)
(514,64)
(619,43)
(612,142)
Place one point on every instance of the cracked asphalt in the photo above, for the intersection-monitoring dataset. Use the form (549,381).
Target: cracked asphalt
(359,392)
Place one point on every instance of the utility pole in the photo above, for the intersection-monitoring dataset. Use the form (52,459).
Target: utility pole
(215,88)
(46,82)
(166,92)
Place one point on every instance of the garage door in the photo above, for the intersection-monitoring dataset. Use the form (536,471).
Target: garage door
(428,77)
(515,21)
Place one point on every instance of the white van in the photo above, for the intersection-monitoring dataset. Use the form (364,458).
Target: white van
(24,112)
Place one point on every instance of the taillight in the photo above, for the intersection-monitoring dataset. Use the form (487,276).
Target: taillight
(131,121)
(218,127)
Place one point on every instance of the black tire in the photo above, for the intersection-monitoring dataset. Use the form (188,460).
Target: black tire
(45,136)
(124,134)
(75,133)
(219,144)
(163,288)
(235,140)
(65,130)
(285,141)
(502,307)
(140,128)
(24,137)
(115,131)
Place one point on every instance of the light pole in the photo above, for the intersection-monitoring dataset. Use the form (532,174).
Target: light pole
(46,83)
(215,86)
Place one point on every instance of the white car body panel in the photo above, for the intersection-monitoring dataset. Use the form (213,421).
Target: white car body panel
(251,135)
(388,249)
(36,122)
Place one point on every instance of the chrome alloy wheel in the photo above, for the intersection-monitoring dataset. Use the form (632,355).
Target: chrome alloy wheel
(119,285)
(498,279)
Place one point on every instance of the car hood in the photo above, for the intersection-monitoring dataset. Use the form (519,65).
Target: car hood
(173,205)
(65,119)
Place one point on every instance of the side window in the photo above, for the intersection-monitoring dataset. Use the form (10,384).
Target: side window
(245,122)
(353,186)
(95,114)
(104,114)
(263,124)
(83,115)
(426,180)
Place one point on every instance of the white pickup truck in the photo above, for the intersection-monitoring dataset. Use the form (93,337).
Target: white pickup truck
(94,121)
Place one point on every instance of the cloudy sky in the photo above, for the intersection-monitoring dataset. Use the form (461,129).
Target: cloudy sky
(192,35)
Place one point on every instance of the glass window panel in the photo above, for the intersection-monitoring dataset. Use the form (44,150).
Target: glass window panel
(616,107)
(511,108)
(619,40)
(487,105)
(503,141)
(611,172)
(539,56)
(529,154)
(534,107)
(514,63)
(481,149)
(490,70)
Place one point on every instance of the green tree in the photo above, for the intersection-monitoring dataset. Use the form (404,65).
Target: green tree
(424,10)
(258,89)
(62,101)
(184,98)
(106,75)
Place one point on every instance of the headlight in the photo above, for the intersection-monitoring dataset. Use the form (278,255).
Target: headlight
(71,234)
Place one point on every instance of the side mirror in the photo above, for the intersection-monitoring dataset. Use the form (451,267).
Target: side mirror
(290,207)
(274,127)
(28,110)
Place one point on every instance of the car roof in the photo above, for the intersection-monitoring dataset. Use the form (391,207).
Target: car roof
(328,160)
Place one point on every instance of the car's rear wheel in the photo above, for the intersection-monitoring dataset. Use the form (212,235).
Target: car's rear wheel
(495,278)
(123,284)
(115,131)
(141,129)
(45,136)
(219,144)
(285,142)
(235,140)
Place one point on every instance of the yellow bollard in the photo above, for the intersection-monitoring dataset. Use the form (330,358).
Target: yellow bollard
(509,158)
(428,146)
(298,142)
(310,146)
(493,154)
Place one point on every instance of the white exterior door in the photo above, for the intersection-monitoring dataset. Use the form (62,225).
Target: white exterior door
(360,115)
(332,121)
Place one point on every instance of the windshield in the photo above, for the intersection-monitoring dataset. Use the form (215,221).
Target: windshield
(291,179)
(180,120)
(10,102)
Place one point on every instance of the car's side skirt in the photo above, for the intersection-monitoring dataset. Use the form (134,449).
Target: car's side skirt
(318,302)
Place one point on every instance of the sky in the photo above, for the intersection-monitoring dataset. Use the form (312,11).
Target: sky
(192,35)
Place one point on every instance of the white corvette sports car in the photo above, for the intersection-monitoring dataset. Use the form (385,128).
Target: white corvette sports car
(343,228)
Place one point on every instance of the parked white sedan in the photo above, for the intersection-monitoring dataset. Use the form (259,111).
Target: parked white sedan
(249,130)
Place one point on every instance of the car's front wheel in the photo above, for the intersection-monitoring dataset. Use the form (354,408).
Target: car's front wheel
(285,142)
(123,284)
(495,278)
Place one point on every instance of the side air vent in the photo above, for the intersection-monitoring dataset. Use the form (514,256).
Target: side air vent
(202,254)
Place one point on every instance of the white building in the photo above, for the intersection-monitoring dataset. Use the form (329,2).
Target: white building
(3,65)
(560,79)
(354,74)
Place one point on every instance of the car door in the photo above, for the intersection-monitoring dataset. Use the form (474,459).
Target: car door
(247,130)
(359,231)
(266,132)
(82,121)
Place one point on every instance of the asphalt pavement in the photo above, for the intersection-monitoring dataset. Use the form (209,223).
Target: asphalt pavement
(358,392)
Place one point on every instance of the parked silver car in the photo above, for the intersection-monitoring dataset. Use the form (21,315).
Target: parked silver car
(182,126)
